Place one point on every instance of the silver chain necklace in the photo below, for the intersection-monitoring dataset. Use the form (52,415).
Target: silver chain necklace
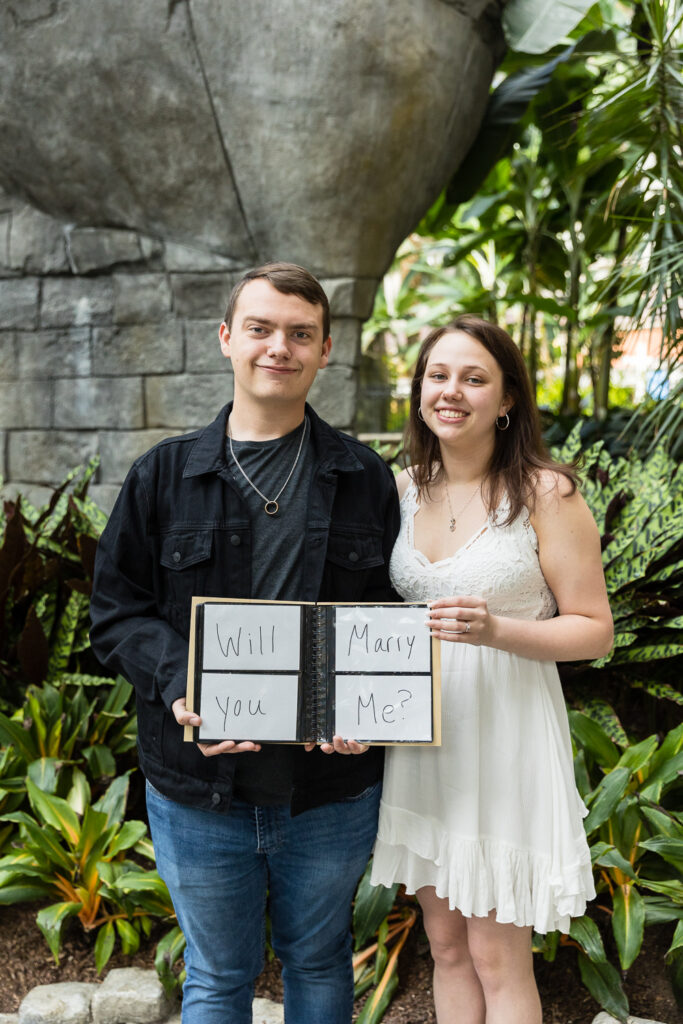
(451,525)
(271,506)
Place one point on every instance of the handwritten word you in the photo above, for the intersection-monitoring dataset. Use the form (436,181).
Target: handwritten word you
(360,640)
(238,707)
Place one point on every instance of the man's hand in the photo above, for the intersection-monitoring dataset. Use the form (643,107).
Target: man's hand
(185,717)
(340,746)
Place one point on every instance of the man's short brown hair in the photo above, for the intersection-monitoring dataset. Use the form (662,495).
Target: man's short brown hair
(289,279)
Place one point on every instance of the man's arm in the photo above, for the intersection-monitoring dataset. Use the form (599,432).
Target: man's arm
(128,634)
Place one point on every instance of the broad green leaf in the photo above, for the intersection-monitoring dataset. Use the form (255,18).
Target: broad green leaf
(54,811)
(672,744)
(24,893)
(604,984)
(130,937)
(104,945)
(673,889)
(609,857)
(606,717)
(51,919)
(371,906)
(663,691)
(666,773)
(63,641)
(100,761)
(168,951)
(637,756)
(677,941)
(45,773)
(594,739)
(78,797)
(664,822)
(12,734)
(113,801)
(671,849)
(131,832)
(660,910)
(628,923)
(606,797)
(585,931)
(143,881)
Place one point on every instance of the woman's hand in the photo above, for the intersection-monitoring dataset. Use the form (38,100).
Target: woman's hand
(462,620)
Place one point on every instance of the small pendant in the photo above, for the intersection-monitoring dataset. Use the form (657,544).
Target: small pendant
(451,526)
(270,508)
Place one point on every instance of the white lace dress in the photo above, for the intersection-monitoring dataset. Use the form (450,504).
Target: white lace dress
(492,818)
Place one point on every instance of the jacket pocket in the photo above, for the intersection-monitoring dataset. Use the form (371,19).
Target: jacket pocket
(354,550)
(184,557)
(352,560)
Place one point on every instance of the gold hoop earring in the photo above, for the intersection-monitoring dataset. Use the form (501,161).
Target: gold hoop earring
(507,422)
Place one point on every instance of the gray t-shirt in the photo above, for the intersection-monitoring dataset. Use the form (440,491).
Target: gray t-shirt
(277,569)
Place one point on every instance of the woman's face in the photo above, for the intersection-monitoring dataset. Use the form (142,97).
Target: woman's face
(462,390)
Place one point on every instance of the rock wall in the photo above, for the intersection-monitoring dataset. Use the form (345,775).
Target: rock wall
(109,343)
(150,150)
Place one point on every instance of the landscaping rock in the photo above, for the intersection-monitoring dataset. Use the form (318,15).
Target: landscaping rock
(66,1002)
(130,995)
(606,1018)
(266,1012)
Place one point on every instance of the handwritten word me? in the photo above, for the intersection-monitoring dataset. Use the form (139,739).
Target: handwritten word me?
(360,639)
(238,706)
(257,640)
(387,713)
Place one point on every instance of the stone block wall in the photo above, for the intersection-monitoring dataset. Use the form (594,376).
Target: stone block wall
(109,343)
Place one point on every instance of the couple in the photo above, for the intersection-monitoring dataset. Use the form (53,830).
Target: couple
(269,502)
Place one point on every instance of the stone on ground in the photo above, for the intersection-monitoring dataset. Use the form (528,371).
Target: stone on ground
(66,1002)
(130,995)
(606,1018)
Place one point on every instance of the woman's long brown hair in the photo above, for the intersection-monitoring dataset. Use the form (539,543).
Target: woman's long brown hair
(519,452)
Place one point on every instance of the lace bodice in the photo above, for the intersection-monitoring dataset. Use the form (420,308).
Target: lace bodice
(499,563)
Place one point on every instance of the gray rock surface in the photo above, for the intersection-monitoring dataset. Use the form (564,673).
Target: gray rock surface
(267,1012)
(67,1002)
(165,118)
(130,995)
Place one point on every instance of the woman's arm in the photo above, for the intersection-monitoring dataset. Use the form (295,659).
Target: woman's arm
(569,554)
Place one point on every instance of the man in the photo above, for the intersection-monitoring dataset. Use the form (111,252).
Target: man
(266,502)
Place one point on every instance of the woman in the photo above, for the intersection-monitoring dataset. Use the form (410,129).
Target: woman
(487,829)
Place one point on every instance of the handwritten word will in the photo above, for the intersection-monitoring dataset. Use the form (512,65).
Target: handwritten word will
(260,640)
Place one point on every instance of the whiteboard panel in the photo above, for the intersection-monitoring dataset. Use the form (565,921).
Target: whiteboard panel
(384,708)
(261,637)
(381,639)
(248,707)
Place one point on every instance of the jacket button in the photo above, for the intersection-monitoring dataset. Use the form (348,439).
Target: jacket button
(353,556)
(235,540)
(215,799)
(176,556)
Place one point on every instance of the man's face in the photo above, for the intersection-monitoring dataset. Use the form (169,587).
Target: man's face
(275,344)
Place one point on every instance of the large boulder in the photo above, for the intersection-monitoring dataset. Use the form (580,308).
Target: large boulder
(313,130)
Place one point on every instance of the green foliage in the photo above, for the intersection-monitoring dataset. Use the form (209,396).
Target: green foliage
(636,843)
(46,565)
(79,854)
(638,506)
(375,966)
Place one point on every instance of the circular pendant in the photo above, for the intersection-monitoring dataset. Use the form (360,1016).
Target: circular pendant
(270,508)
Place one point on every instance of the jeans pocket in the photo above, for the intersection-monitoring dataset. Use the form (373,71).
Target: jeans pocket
(364,794)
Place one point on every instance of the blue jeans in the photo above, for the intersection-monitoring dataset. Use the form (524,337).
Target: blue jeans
(219,870)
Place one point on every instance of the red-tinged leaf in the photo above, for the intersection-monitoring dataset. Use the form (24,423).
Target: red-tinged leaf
(13,550)
(87,546)
(33,649)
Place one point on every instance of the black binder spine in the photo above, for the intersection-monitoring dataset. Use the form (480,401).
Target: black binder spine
(319,674)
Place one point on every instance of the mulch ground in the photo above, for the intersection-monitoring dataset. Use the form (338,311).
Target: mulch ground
(26,962)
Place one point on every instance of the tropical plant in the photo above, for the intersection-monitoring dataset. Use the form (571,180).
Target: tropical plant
(46,565)
(377,914)
(79,854)
(60,731)
(638,506)
(635,832)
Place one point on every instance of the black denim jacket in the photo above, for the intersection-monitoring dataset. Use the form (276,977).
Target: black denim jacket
(180,527)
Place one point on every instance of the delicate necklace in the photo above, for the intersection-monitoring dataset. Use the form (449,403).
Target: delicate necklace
(451,525)
(271,506)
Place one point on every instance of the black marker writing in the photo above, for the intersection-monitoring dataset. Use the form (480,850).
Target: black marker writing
(384,645)
(254,640)
(237,709)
